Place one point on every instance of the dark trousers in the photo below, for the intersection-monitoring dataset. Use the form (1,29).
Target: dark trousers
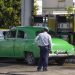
(44,53)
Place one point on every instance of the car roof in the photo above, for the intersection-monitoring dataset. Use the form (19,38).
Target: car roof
(30,27)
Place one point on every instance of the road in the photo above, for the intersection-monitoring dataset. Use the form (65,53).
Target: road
(14,68)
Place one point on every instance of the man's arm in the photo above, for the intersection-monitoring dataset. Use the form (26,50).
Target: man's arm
(50,41)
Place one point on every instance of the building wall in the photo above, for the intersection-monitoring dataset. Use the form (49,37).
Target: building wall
(74,23)
(52,22)
(58,6)
(48,6)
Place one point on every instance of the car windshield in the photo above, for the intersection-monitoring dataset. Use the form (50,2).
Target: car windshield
(11,34)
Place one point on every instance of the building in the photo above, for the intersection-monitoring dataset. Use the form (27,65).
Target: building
(48,6)
(55,10)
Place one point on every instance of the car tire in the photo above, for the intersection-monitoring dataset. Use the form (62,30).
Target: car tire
(30,60)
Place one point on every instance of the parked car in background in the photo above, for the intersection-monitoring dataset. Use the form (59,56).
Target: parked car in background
(19,44)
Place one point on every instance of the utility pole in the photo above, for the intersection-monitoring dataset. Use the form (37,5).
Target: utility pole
(26,12)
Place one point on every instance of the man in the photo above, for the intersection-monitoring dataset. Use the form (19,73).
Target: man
(44,42)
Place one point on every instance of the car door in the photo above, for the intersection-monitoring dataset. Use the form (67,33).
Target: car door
(19,44)
(7,44)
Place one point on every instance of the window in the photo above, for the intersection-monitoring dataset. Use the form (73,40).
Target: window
(38,19)
(20,34)
(11,34)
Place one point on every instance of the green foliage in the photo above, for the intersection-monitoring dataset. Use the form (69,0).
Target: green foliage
(10,13)
(35,7)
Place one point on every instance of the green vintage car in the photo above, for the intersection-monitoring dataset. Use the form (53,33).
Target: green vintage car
(19,44)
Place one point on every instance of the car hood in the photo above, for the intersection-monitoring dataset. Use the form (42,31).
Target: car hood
(60,45)
(59,41)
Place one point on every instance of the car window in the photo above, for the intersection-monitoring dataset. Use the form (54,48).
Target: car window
(3,33)
(11,34)
(21,34)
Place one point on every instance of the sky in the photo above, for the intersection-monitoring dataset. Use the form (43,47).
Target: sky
(74,0)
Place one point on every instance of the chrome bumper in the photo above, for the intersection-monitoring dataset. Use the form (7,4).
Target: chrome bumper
(59,55)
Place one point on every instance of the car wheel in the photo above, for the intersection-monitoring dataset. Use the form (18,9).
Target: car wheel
(30,60)
(60,62)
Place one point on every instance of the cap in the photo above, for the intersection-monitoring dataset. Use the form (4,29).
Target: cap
(46,28)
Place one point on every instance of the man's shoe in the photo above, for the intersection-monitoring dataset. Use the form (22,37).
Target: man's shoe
(45,69)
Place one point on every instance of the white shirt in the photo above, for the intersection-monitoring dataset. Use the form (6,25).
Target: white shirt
(43,39)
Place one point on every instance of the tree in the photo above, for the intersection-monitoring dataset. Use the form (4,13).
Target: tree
(35,7)
(10,13)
